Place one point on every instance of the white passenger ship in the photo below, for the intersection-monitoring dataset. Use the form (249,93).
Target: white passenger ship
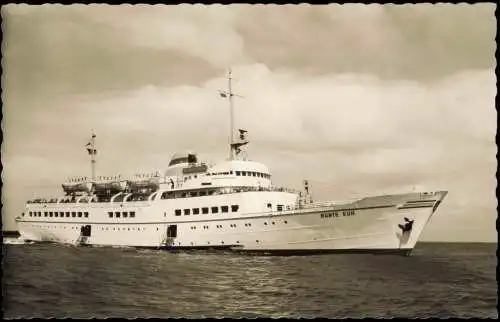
(232,205)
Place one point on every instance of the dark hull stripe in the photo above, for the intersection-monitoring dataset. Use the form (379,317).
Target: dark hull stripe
(410,207)
(305,252)
(264,252)
(422,201)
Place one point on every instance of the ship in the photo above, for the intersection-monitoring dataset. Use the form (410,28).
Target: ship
(231,205)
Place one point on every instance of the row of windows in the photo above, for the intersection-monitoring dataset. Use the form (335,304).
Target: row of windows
(187,194)
(253,174)
(102,228)
(66,214)
(139,228)
(205,210)
(243,174)
(124,214)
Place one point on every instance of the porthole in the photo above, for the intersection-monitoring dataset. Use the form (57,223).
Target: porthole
(273,222)
(286,222)
(265,223)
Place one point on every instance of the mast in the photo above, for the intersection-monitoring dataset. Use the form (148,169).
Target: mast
(92,152)
(234,145)
(231,108)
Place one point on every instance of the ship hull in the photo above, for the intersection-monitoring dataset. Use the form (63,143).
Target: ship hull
(370,225)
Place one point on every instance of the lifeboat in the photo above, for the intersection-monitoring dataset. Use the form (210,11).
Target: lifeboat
(71,188)
(110,187)
(114,186)
(142,184)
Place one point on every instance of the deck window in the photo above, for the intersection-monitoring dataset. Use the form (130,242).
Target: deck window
(204,210)
(80,214)
(86,214)
(132,214)
(224,209)
(238,173)
(178,212)
(73,214)
(254,174)
(110,214)
(196,211)
(203,193)
(51,214)
(117,214)
(55,214)
(125,214)
(280,207)
(243,173)
(45,214)
(187,212)
(67,213)
(234,208)
(215,210)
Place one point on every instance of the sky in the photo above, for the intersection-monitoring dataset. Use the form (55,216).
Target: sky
(358,99)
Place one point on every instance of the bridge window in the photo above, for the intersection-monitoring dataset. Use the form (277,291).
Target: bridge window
(215,210)
(196,211)
(234,208)
(178,212)
(187,212)
(204,210)
(280,207)
(203,193)
(224,208)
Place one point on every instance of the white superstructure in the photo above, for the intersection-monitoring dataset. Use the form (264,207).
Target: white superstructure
(232,205)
